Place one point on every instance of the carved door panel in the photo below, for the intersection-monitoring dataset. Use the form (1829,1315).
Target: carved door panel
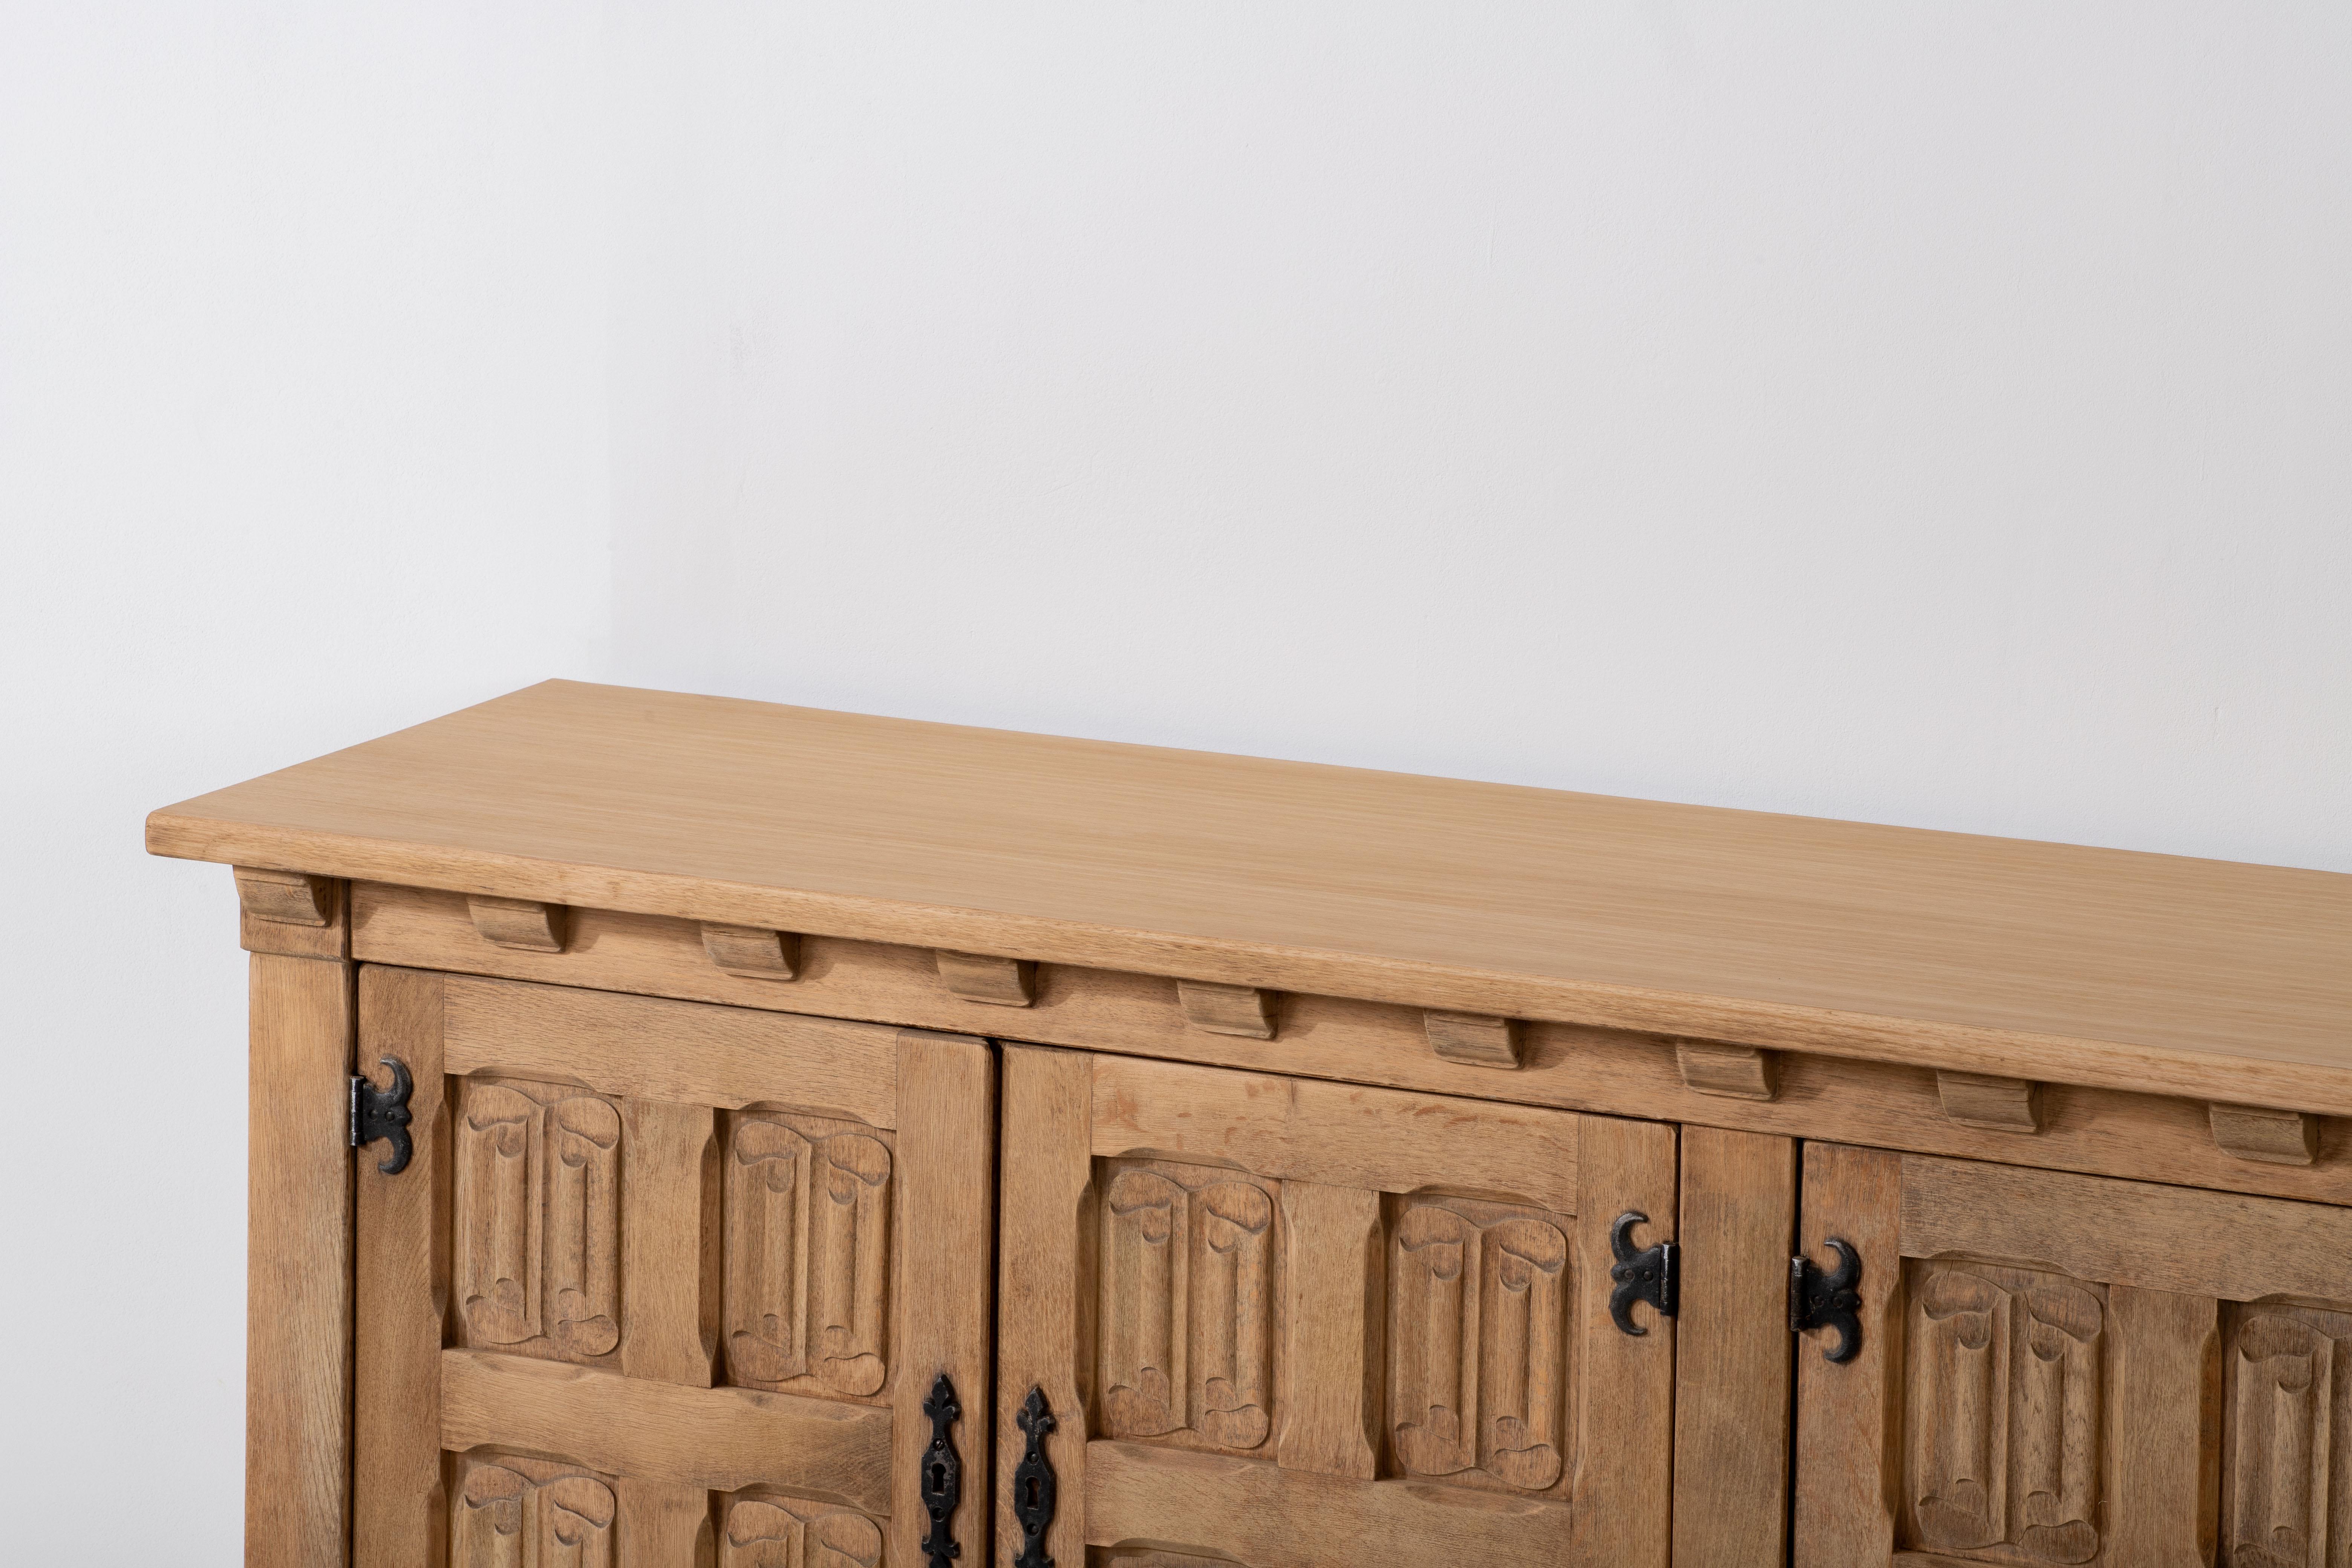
(666,1285)
(1284,1322)
(2057,1369)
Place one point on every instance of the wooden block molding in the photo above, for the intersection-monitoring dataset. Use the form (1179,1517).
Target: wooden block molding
(525,924)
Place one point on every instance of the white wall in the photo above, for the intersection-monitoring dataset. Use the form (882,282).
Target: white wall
(302,431)
(1927,413)
(1930,413)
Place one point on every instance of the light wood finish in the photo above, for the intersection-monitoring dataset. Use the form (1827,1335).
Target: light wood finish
(1995,1104)
(1341,1291)
(2273,1137)
(2130,1233)
(2167,1403)
(1844,1502)
(2165,975)
(1737,1072)
(1262,1513)
(719,1440)
(401,1514)
(1375,1139)
(1240,1010)
(295,916)
(1731,1368)
(1043,1308)
(1609,1071)
(1334,1312)
(946,1165)
(1625,1436)
(981,977)
(663,1523)
(298,1433)
(285,898)
(752,951)
(669,1236)
(526,923)
(679,1051)
(2066,1369)
(1473,1038)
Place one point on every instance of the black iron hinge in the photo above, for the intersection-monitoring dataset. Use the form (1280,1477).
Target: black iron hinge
(1654,1275)
(1831,1301)
(382,1113)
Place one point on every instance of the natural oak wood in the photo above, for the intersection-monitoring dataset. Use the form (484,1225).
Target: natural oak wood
(752,951)
(1242,1010)
(1334,1312)
(285,898)
(981,977)
(2131,1232)
(1731,1366)
(676,1051)
(1613,1072)
(1738,1072)
(401,1514)
(1374,1139)
(947,1157)
(297,1431)
(2273,1137)
(1265,1513)
(2145,972)
(1844,1502)
(669,1235)
(717,1439)
(293,915)
(1995,1104)
(2167,1403)
(1044,1311)
(526,923)
(1473,1038)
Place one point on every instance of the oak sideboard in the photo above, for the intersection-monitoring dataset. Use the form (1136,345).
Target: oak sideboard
(689,1132)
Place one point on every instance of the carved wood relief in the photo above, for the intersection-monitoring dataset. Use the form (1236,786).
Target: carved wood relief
(2287,1498)
(1478,1342)
(770,1532)
(2003,1411)
(1188,1290)
(538,1229)
(513,1512)
(807,1253)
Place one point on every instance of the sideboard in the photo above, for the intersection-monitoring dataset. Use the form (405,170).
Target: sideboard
(689,1132)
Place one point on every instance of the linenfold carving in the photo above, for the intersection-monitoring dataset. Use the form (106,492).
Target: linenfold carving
(537,1219)
(2005,1393)
(1187,1304)
(808,1253)
(513,1512)
(792,1533)
(2287,1460)
(1478,1344)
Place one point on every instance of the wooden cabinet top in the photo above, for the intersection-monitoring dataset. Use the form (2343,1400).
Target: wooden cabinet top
(2200,977)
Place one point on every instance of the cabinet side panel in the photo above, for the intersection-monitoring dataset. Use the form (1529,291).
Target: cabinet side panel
(400,1519)
(1732,1371)
(1625,1447)
(947,1158)
(298,1385)
(1043,1297)
(1846,1456)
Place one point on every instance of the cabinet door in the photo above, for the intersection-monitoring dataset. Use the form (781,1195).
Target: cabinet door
(1286,1322)
(2065,1369)
(665,1285)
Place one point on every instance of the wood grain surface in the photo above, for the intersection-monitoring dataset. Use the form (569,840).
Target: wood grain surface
(1989,955)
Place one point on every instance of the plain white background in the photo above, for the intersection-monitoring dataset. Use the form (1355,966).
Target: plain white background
(1937,413)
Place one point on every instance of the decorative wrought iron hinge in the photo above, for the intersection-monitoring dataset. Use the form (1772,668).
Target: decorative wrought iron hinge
(1032,1483)
(1652,1275)
(1819,1300)
(942,1479)
(382,1113)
